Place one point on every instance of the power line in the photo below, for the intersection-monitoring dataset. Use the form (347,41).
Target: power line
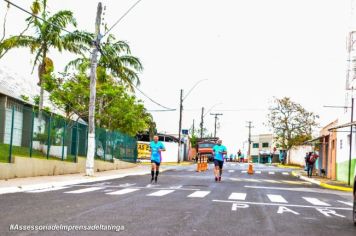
(167,108)
(122,17)
(40,18)
(30,13)
(144,94)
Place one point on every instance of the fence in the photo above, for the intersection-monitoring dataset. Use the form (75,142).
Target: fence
(26,132)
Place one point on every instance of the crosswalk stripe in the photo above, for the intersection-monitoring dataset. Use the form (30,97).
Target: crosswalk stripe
(271,181)
(231,171)
(199,194)
(276,198)
(161,193)
(85,190)
(46,190)
(123,191)
(244,171)
(238,196)
(315,201)
(346,203)
(258,172)
(271,173)
(252,180)
(285,173)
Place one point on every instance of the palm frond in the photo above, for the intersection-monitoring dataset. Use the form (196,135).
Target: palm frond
(19,42)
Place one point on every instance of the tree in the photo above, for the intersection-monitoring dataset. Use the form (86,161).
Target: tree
(118,108)
(116,62)
(291,123)
(48,34)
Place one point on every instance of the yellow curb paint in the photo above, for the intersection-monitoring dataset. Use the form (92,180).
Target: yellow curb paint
(288,167)
(328,186)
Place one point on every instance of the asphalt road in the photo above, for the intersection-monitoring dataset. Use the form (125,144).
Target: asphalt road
(184,202)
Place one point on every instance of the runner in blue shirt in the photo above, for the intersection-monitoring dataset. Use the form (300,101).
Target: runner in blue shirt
(219,152)
(156,148)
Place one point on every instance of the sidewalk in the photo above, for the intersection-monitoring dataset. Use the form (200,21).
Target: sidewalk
(321,181)
(43,182)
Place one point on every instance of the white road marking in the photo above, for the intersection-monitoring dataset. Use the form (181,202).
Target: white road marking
(85,190)
(176,187)
(231,171)
(271,181)
(244,171)
(271,173)
(346,203)
(233,164)
(281,204)
(282,209)
(296,182)
(276,198)
(46,190)
(257,172)
(160,193)
(123,191)
(285,173)
(199,194)
(315,201)
(126,185)
(235,206)
(238,196)
(287,189)
(329,212)
(235,179)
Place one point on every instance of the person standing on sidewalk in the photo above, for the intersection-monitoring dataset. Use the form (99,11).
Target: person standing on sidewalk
(156,148)
(311,161)
(219,151)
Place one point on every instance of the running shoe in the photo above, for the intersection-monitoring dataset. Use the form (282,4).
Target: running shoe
(219,178)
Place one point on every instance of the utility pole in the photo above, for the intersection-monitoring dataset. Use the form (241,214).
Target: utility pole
(216,118)
(350,153)
(94,61)
(249,138)
(202,122)
(193,131)
(180,124)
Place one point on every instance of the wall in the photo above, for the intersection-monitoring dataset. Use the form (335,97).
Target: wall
(297,155)
(30,167)
(343,151)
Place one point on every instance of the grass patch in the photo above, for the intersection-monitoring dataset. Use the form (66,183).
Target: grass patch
(25,152)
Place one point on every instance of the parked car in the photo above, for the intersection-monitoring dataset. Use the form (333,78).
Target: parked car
(354,201)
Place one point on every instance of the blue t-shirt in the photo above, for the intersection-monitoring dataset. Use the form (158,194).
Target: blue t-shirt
(217,149)
(155,154)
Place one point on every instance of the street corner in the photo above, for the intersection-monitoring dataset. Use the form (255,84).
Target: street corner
(322,182)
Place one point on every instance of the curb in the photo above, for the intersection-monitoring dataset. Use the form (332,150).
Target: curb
(321,184)
(93,179)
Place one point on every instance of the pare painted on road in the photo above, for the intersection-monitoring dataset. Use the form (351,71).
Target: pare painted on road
(327,212)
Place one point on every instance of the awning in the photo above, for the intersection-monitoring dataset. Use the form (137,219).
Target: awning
(312,141)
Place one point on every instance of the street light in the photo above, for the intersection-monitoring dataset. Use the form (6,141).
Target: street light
(181,112)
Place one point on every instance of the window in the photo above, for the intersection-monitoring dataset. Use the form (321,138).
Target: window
(255,145)
(340,143)
(265,145)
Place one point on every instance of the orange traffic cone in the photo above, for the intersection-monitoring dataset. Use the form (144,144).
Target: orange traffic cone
(250,169)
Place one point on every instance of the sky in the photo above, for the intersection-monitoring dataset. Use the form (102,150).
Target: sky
(246,51)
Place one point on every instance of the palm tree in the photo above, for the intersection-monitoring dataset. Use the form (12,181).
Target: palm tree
(48,34)
(115,62)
